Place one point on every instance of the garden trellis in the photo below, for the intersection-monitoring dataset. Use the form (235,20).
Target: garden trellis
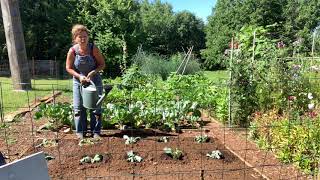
(279,114)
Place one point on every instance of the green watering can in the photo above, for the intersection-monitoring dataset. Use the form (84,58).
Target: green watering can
(90,96)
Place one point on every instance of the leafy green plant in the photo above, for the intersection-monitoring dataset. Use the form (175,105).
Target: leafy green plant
(291,140)
(59,114)
(48,157)
(215,155)
(174,154)
(88,159)
(164,139)
(133,78)
(202,138)
(132,157)
(4,125)
(48,143)
(88,141)
(131,140)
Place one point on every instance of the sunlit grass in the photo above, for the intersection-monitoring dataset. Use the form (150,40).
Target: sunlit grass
(217,76)
(13,100)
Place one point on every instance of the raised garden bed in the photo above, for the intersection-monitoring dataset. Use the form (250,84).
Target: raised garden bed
(242,159)
(155,164)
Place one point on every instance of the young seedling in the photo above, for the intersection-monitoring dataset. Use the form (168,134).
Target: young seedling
(87,159)
(201,139)
(48,143)
(133,157)
(215,155)
(164,139)
(88,141)
(97,158)
(174,154)
(48,157)
(131,140)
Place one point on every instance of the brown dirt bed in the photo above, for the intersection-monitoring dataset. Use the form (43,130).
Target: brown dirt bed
(243,160)
(155,165)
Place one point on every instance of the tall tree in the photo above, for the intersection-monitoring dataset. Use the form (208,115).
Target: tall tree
(302,19)
(19,68)
(115,28)
(222,24)
(46,27)
(294,23)
(189,32)
(158,26)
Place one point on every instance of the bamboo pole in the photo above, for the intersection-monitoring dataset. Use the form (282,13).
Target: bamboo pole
(230,83)
(312,49)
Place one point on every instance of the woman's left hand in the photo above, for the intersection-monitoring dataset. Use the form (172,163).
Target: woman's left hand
(91,74)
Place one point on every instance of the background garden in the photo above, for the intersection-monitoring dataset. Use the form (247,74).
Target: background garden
(253,67)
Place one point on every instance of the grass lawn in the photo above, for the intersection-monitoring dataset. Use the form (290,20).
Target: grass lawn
(217,76)
(13,100)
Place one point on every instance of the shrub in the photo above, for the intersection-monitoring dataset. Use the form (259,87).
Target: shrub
(160,66)
(292,140)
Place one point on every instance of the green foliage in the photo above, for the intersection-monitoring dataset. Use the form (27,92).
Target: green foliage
(166,32)
(114,26)
(295,21)
(176,154)
(88,141)
(262,80)
(168,104)
(48,143)
(158,26)
(156,65)
(220,103)
(46,28)
(133,78)
(223,22)
(95,159)
(182,84)
(202,139)
(190,32)
(131,140)
(132,157)
(48,157)
(164,139)
(292,140)
(215,155)
(59,114)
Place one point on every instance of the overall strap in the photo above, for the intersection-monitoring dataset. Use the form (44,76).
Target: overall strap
(91,45)
(75,51)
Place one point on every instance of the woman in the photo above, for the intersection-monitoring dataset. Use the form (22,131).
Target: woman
(84,61)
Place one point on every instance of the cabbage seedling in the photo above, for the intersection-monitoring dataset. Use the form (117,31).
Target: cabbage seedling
(133,157)
(215,155)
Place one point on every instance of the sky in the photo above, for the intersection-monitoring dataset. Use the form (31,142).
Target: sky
(201,8)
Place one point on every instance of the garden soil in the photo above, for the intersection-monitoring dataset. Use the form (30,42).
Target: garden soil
(242,159)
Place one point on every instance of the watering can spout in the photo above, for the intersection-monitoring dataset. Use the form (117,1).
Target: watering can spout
(107,89)
(100,100)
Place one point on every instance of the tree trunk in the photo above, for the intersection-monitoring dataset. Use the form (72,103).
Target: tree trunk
(19,67)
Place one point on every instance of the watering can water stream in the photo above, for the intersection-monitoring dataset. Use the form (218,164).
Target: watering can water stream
(90,96)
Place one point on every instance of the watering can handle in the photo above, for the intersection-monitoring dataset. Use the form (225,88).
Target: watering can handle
(91,82)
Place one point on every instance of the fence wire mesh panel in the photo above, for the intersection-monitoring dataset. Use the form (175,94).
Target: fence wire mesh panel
(185,129)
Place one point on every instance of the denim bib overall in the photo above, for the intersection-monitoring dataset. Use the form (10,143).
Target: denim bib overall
(83,64)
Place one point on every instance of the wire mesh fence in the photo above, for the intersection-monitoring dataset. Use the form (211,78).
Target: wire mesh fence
(240,159)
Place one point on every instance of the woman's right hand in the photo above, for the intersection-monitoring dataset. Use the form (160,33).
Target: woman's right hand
(83,79)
